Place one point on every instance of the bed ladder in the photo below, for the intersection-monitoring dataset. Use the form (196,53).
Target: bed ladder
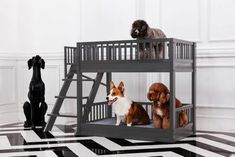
(62,95)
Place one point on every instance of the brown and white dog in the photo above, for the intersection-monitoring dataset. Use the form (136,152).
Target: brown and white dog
(125,109)
(160,95)
(141,30)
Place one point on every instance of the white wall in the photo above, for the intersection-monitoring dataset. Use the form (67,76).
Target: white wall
(44,27)
(209,22)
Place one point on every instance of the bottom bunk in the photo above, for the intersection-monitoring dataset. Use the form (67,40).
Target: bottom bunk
(147,132)
(100,124)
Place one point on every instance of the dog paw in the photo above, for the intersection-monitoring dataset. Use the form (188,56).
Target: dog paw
(26,124)
(117,124)
(129,124)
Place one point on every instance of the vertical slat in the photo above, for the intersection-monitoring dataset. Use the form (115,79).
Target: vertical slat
(178,50)
(96,112)
(99,53)
(181,49)
(138,55)
(92,113)
(119,52)
(65,62)
(153,51)
(186,53)
(153,54)
(90,116)
(182,55)
(82,52)
(93,52)
(88,52)
(164,50)
(131,51)
(102,52)
(114,52)
(96,53)
(188,112)
(85,52)
(147,109)
(125,52)
(99,111)
(104,110)
(107,52)
(70,55)
(151,111)
(146,53)
(73,56)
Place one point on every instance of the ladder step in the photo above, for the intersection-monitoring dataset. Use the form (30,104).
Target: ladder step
(69,97)
(62,115)
(69,79)
(86,79)
(76,80)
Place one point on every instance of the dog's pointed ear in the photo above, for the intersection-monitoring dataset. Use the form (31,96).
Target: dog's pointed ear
(121,86)
(30,63)
(112,85)
(42,63)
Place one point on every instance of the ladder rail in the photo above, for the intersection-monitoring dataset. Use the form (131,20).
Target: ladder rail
(59,101)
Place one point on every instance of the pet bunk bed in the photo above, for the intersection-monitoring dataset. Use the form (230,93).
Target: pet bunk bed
(107,57)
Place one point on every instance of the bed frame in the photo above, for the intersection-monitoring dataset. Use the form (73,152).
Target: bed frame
(106,57)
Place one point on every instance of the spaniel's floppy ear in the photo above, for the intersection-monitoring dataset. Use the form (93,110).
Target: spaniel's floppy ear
(30,63)
(121,86)
(42,63)
(144,27)
(164,97)
(112,85)
(151,95)
(168,96)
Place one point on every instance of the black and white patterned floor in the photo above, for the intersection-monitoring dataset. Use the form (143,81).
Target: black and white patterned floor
(16,141)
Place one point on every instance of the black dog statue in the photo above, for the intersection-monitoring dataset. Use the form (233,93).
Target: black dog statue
(36,108)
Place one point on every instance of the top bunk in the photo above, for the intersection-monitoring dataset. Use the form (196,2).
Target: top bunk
(150,55)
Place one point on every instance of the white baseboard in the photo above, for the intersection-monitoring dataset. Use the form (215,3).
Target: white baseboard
(215,118)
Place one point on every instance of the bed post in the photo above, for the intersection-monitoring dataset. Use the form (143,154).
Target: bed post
(79,88)
(172,48)
(194,88)
(108,79)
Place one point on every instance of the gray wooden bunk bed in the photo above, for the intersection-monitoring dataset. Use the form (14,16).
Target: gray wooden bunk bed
(107,57)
